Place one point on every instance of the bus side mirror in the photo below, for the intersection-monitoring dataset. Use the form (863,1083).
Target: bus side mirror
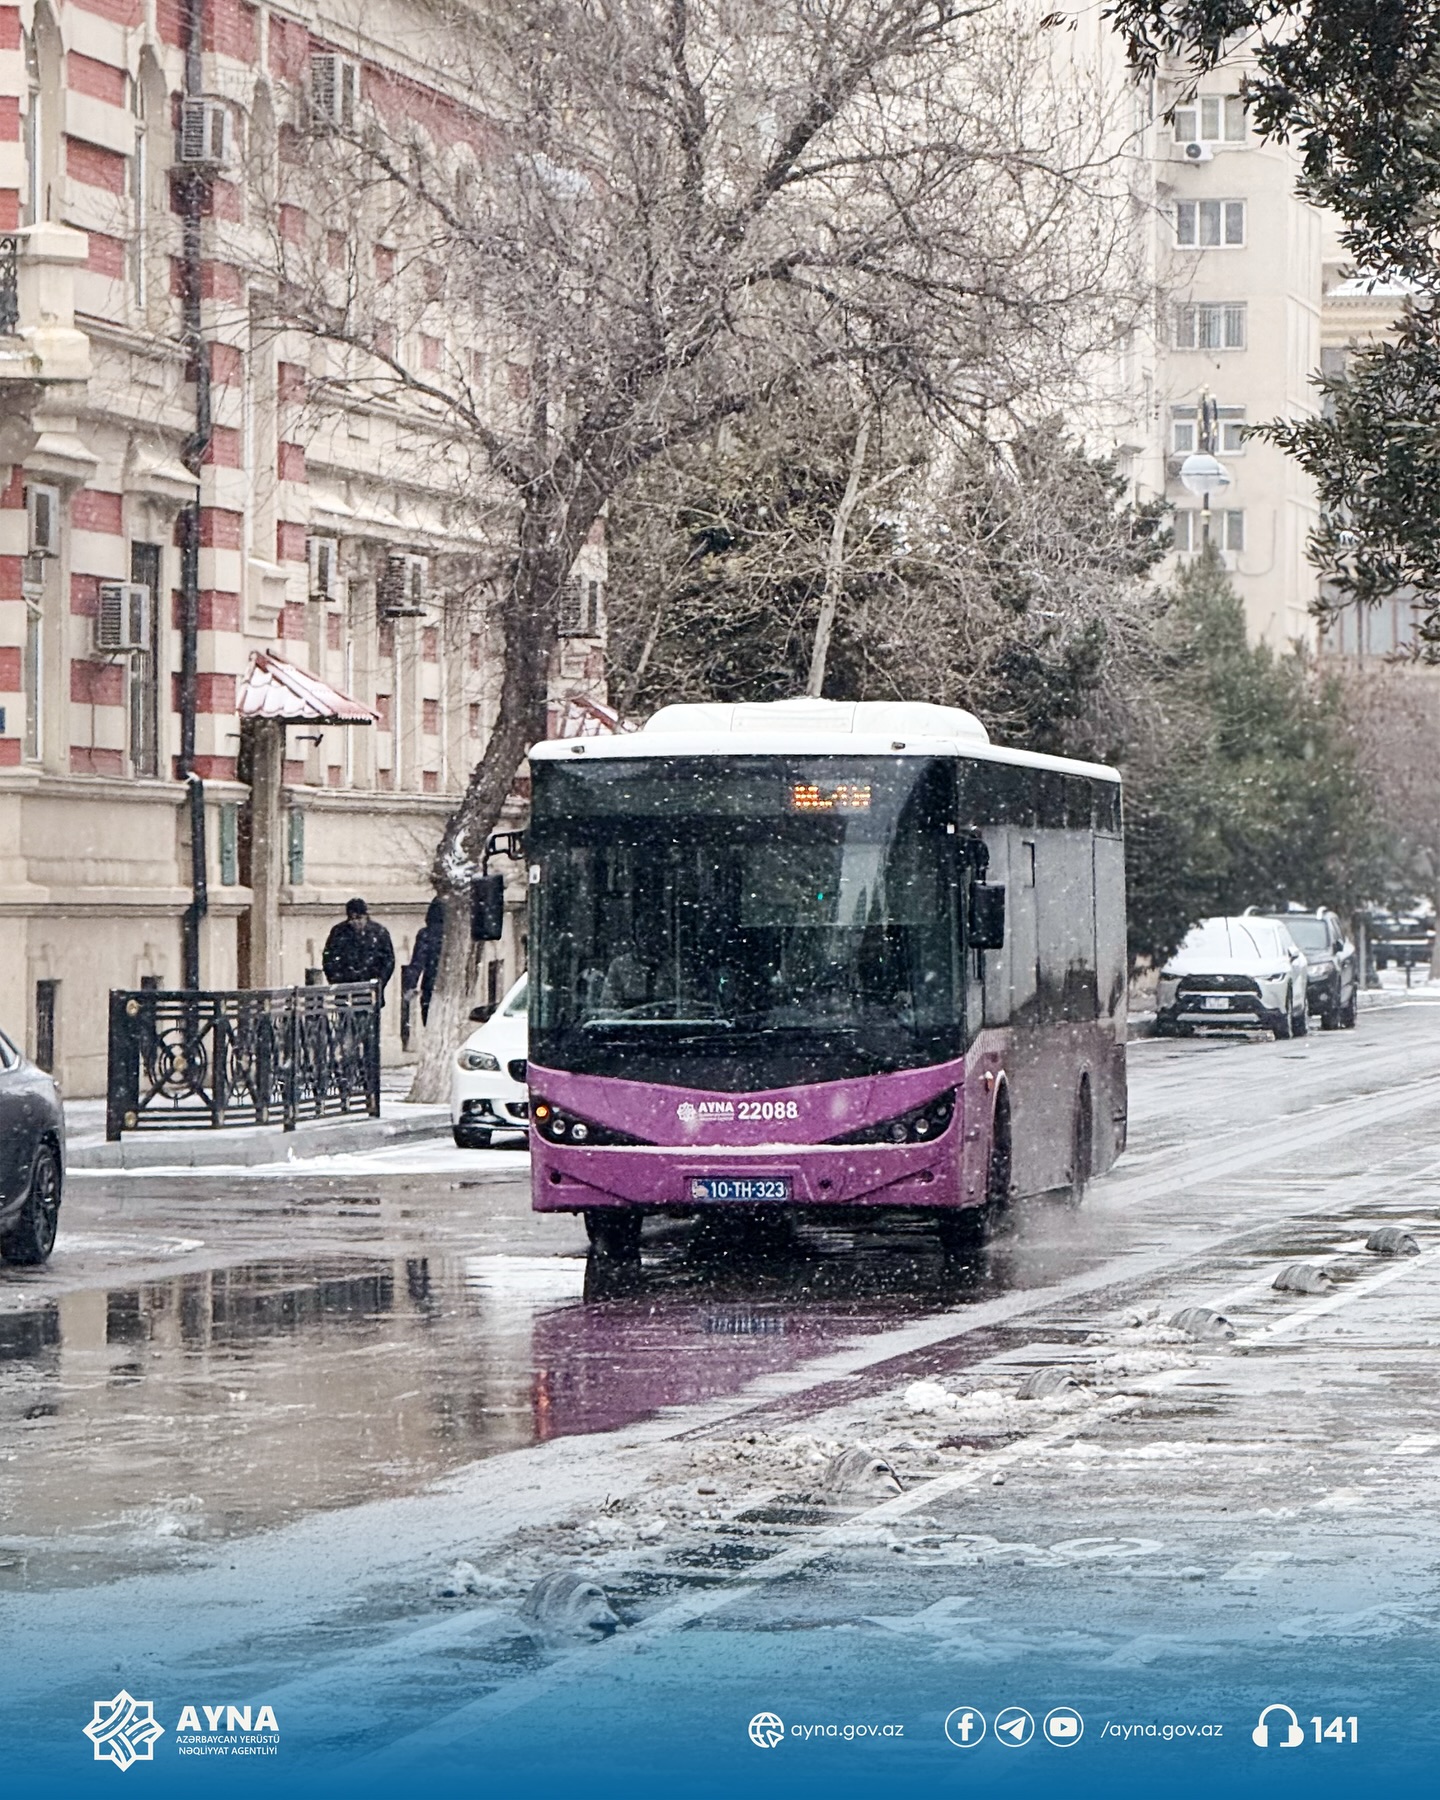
(487,909)
(987,916)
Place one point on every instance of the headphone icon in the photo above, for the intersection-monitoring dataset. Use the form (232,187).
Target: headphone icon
(1293,1734)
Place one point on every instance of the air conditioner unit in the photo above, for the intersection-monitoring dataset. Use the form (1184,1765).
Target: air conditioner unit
(205,134)
(123,621)
(403,586)
(43,505)
(1198,153)
(324,568)
(334,89)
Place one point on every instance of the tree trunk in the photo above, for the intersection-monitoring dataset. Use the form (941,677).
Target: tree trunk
(550,537)
(835,562)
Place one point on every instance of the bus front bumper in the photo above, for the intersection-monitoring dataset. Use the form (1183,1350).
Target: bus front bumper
(567,1178)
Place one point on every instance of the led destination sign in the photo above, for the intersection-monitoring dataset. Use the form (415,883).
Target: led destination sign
(840,796)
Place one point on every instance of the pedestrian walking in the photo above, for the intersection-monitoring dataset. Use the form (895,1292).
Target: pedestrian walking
(359,949)
(419,974)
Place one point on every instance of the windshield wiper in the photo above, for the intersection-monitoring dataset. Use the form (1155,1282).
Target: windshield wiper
(630,1022)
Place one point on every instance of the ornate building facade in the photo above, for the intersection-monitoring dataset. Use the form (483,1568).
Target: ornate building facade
(173,501)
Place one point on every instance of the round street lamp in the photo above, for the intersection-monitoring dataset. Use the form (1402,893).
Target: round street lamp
(1203,475)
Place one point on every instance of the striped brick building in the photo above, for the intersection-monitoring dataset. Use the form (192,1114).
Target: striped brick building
(321,537)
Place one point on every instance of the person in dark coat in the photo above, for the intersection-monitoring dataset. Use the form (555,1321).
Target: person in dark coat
(421,971)
(359,949)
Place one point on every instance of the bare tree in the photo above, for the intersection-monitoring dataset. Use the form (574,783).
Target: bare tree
(608,226)
(1011,579)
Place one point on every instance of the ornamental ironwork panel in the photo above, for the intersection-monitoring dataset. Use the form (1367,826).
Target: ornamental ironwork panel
(9,285)
(197,1060)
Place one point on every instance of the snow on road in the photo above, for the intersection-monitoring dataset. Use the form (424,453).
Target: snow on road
(1183,1498)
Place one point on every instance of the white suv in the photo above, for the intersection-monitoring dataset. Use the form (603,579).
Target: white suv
(487,1082)
(1248,972)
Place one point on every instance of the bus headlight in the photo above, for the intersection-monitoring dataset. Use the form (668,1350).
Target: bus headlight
(564,1128)
(917,1126)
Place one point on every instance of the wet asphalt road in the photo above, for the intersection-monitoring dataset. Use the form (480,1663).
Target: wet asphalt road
(207,1356)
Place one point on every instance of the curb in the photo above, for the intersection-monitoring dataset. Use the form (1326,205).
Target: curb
(252,1147)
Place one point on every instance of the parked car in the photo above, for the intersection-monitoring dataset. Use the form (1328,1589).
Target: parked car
(1334,964)
(32,1158)
(1245,971)
(487,1085)
(1406,939)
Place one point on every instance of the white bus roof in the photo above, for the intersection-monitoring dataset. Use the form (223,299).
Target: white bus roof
(812,728)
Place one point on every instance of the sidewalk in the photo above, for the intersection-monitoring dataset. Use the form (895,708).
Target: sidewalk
(251,1146)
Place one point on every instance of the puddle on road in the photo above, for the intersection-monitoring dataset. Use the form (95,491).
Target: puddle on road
(139,1421)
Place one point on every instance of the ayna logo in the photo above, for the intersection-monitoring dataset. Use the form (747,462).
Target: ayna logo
(124,1731)
(688,1112)
(766,1730)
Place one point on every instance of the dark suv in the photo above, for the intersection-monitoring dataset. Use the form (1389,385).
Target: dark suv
(1334,964)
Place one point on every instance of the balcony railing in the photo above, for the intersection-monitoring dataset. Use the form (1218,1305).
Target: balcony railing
(9,284)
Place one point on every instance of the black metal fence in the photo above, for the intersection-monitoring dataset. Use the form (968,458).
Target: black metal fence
(192,1061)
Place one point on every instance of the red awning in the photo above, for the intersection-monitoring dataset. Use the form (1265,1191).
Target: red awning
(276,689)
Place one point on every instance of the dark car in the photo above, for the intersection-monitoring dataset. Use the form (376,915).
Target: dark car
(1334,965)
(1406,939)
(32,1158)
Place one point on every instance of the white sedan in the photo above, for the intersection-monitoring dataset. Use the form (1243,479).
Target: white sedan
(1243,971)
(487,1083)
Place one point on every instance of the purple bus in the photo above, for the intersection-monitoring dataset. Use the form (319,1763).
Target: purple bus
(816,954)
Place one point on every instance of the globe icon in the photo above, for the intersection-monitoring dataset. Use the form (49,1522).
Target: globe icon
(766,1730)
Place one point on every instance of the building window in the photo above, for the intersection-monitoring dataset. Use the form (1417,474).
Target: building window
(145,669)
(1212,119)
(1210,224)
(32,587)
(47,995)
(1185,430)
(1227,530)
(1210,325)
(229,843)
(295,847)
(580,611)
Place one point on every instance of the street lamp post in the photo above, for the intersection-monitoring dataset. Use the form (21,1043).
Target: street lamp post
(1202,473)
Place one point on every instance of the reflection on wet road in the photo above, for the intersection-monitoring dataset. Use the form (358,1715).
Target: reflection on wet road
(191,1405)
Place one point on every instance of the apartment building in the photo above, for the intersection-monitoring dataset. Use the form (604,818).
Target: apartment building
(175,503)
(1240,268)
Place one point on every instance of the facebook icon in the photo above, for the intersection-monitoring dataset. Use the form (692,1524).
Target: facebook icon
(965,1727)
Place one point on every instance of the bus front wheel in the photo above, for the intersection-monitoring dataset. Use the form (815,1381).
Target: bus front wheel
(614,1232)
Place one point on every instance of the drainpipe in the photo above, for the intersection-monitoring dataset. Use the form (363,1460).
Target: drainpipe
(193,197)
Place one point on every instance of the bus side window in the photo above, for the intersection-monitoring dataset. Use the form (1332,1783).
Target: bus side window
(1026,863)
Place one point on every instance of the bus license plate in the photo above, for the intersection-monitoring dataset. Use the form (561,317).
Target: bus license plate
(1217,1002)
(747,1189)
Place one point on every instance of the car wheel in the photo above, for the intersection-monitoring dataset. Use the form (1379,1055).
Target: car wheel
(472,1139)
(1284,1023)
(614,1232)
(1330,1018)
(32,1237)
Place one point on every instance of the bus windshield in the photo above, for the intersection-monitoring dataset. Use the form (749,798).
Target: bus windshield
(745,922)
